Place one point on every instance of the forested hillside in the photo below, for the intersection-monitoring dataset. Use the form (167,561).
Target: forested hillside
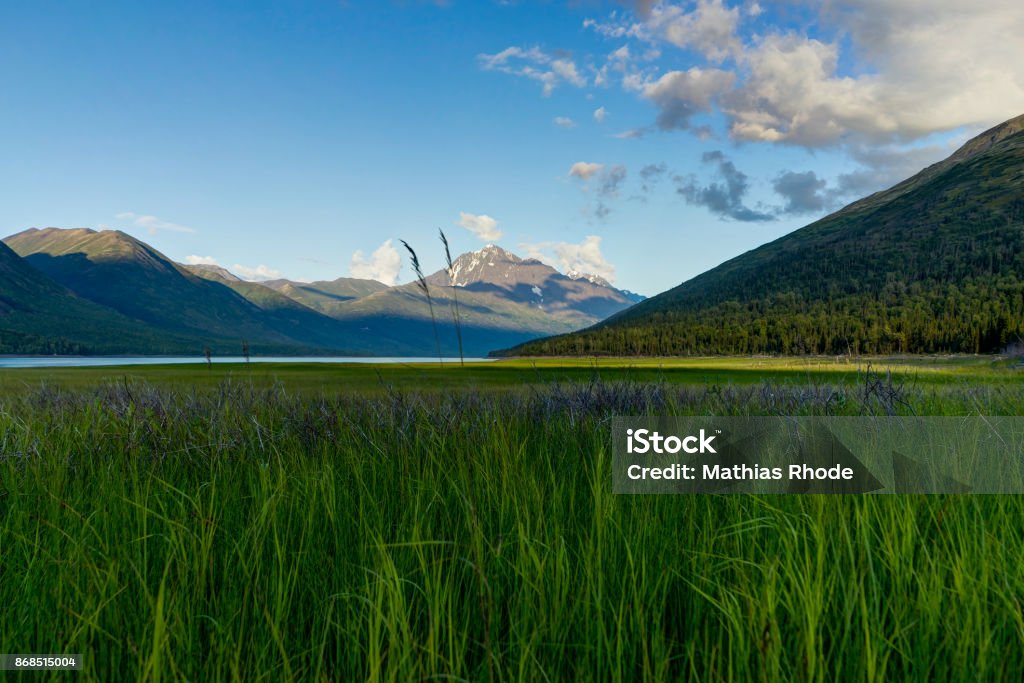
(935,264)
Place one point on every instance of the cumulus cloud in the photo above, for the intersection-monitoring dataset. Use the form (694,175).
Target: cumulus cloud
(194,260)
(793,95)
(550,70)
(879,168)
(383,265)
(679,95)
(866,72)
(710,28)
(483,226)
(724,198)
(885,165)
(584,170)
(934,67)
(623,64)
(612,28)
(585,257)
(643,7)
(600,114)
(564,122)
(151,223)
(257,274)
(803,192)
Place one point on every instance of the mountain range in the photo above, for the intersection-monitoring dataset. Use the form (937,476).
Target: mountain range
(87,291)
(933,264)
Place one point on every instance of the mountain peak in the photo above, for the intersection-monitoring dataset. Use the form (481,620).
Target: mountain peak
(574,274)
(495,250)
(95,245)
(492,263)
(206,269)
(983,142)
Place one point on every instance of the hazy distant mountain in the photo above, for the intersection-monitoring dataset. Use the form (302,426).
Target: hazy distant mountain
(503,300)
(116,288)
(117,271)
(283,312)
(933,264)
(501,297)
(327,297)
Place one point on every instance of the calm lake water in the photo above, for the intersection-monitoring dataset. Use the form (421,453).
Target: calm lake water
(94,361)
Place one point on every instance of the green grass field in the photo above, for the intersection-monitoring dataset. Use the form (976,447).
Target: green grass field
(509,374)
(396,523)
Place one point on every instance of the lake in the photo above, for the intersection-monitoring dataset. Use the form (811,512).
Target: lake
(94,361)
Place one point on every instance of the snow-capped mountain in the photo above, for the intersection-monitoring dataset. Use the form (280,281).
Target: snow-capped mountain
(532,282)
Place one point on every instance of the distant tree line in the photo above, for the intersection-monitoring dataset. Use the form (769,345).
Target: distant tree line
(969,318)
(21,343)
(938,269)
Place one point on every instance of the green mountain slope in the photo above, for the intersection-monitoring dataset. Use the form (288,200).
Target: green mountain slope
(119,272)
(396,321)
(934,264)
(131,298)
(39,316)
(283,312)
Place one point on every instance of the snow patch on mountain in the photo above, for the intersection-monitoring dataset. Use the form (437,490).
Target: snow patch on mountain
(595,279)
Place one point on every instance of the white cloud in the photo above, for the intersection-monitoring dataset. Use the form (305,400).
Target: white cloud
(564,122)
(679,95)
(194,260)
(257,274)
(600,114)
(710,28)
(533,63)
(483,226)
(383,265)
(151,223)
(615,28)
(865,72)
(585,257)
(584,170)
(566,68)
(931,66)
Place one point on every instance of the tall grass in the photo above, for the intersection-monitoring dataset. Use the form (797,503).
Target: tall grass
(456,318)
(421,283)
(252,534)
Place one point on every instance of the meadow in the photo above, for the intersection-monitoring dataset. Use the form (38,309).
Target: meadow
(396,523)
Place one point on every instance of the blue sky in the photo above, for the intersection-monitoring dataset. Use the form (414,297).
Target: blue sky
(646,142)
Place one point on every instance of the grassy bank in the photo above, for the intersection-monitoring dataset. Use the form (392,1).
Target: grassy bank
(515,373)
(252,530)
